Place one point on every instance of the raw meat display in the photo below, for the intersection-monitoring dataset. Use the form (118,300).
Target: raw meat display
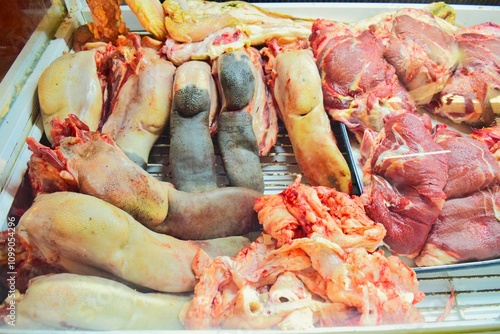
(444,68)
(423,50)
(464,225)
(467,229)
(197,173)
(305,282)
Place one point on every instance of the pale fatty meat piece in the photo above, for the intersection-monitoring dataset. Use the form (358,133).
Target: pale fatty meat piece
(69,302)
(86,235)
(140,111)
(190,21)
(296,87)
(122,89)
(61,87)
(303,211)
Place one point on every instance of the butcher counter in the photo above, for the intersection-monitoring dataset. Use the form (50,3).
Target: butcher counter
(471,289)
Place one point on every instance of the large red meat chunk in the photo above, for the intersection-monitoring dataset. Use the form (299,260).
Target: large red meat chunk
(471,166)
(468,229)
(407,177)
(467,95)
(360,87)
(423,50)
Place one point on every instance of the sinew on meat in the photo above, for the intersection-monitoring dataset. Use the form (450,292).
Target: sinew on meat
(471,167)
(435,190)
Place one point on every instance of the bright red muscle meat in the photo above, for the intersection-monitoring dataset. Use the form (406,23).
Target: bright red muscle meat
(360,88)
(471,166)
(423,50)
(467,229)
(405,192)
(467,94)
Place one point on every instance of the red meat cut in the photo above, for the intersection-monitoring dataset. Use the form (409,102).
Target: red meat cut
(467,229)
(405,191)
(360,88)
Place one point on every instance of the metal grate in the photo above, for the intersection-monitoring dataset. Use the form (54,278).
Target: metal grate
(279,166)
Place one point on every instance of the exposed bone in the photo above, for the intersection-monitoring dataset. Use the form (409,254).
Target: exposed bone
(456,104)
(495,105)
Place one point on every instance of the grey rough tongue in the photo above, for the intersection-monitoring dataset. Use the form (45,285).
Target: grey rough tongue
(192,156)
